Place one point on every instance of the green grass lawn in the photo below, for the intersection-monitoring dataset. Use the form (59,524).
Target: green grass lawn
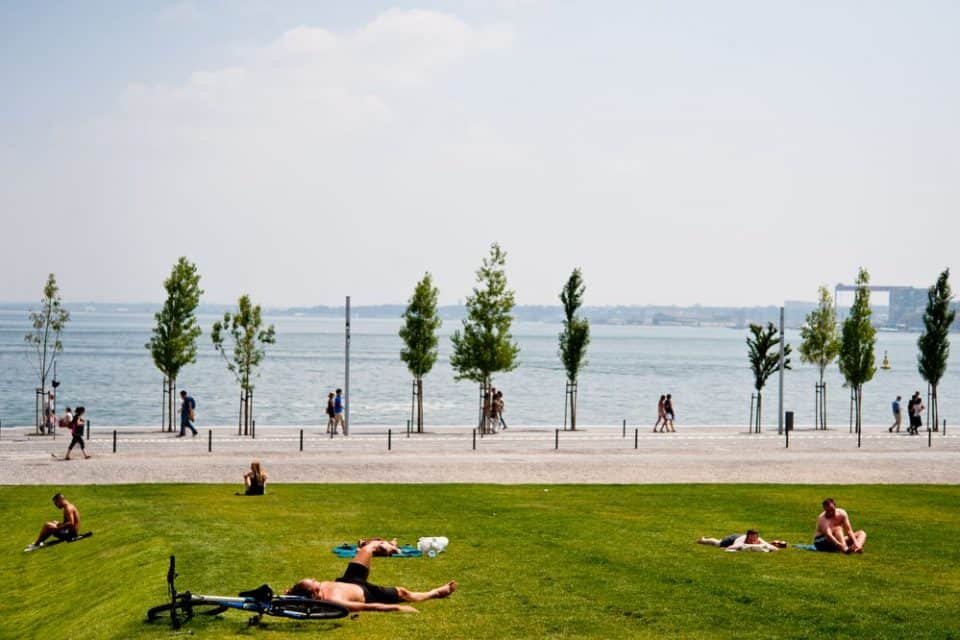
(532,561)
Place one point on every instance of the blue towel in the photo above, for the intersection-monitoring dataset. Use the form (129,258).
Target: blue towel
(805,547)
(350,551)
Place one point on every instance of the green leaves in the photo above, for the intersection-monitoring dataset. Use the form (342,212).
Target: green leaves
(764,354)
(820,334)
(245,329)
(934,342)
(859,336)
(576,330)
(174,341)
(484,345)
(48,325)
(419,332)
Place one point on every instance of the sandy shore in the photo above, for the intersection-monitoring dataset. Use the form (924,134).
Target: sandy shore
(519,455)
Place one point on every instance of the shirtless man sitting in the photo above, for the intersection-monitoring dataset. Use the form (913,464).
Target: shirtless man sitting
(834,531)
(66,529)
(749,541)
(352,590)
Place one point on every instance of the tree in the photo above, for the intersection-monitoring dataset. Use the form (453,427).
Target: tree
(48,325)
(934,342)
(763,363)
(573,339)
(419,334)
(245,330)
(820,343)
(484,346)
(174,341)
(857,363)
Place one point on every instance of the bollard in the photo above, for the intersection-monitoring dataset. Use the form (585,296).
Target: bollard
(943,431)
(636,438)
(88,429)
(209,440)
(929,437)
(301,439)
(114,440)
(787,432)
(474,439)
(389,439)
(408,428)
(624,427)
(859,431)
(253,430)
(556,439)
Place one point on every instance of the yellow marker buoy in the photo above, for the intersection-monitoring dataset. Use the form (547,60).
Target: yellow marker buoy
(886,361)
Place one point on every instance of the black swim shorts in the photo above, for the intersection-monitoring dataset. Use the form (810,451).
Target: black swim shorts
(357,574)
(823,543)
(729,540)
(65,533)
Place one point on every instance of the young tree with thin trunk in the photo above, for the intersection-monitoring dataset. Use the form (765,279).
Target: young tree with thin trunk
(419,334)
(484,345)
(245,330)
(48,325)
(820,343)
(934,342)
(573,339)
(764,355)
(174,341)
(857,361)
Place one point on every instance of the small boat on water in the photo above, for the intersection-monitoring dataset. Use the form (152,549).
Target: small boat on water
(885,365)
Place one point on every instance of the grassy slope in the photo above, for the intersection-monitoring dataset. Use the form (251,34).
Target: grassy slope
(561,561)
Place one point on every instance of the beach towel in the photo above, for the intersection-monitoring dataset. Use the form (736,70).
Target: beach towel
(805,547)
(350,551)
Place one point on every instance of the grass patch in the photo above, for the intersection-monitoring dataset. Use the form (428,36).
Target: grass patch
(532,561)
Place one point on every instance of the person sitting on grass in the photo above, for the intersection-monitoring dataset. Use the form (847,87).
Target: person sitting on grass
(834,531)
(749,541)
(255,480)
(353,592)
(66,529)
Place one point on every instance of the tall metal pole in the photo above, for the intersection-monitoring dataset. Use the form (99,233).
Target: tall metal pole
(780,397)
(346,370)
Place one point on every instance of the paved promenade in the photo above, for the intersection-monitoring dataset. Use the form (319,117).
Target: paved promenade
(519,455)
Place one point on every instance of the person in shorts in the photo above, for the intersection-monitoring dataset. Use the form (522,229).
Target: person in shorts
(353,590)
(749,541)
(834,531)
(66,529)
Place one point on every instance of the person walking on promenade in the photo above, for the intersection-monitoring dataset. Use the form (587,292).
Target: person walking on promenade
(76,429)
(491,411)
(661,415)
(331,414)
(916,414)
(338,413)
(896,416)
(66,529)
(498,405)
(668,413)
(187,407)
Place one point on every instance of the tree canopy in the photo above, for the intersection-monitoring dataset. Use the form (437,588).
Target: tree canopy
(245,328)
(174,341)
(763,354)
(934,342)
(419,330)
(859,337)
(576,330)
(820,334)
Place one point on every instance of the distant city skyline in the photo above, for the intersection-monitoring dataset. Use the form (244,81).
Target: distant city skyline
(719,154)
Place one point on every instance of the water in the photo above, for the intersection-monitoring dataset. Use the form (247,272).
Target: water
(106,368)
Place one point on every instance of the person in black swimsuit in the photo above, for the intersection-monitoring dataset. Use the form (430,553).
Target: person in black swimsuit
(353,590)
(255,480)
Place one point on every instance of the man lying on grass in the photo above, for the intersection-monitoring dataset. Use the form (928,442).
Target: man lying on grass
(834,531)
(356,594)
(749,541)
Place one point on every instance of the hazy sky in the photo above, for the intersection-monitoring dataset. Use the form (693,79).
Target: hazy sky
(679,152)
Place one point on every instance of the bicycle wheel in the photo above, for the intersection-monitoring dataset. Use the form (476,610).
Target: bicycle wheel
(306,609)
(197,606)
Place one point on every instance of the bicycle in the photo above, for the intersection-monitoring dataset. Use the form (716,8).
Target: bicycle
(261,601)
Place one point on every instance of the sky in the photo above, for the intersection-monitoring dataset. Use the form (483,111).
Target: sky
(678,152)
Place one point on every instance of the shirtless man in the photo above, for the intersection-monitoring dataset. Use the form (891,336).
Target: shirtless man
(352,590)
(749,541)
(834,532)
(67,529)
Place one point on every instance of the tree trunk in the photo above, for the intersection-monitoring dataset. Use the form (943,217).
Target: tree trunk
(759,404)
(823,405)
(934,409)
(573,405)
(485,413)
(419,405)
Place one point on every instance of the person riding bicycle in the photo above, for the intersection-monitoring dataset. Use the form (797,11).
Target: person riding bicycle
(352,591)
